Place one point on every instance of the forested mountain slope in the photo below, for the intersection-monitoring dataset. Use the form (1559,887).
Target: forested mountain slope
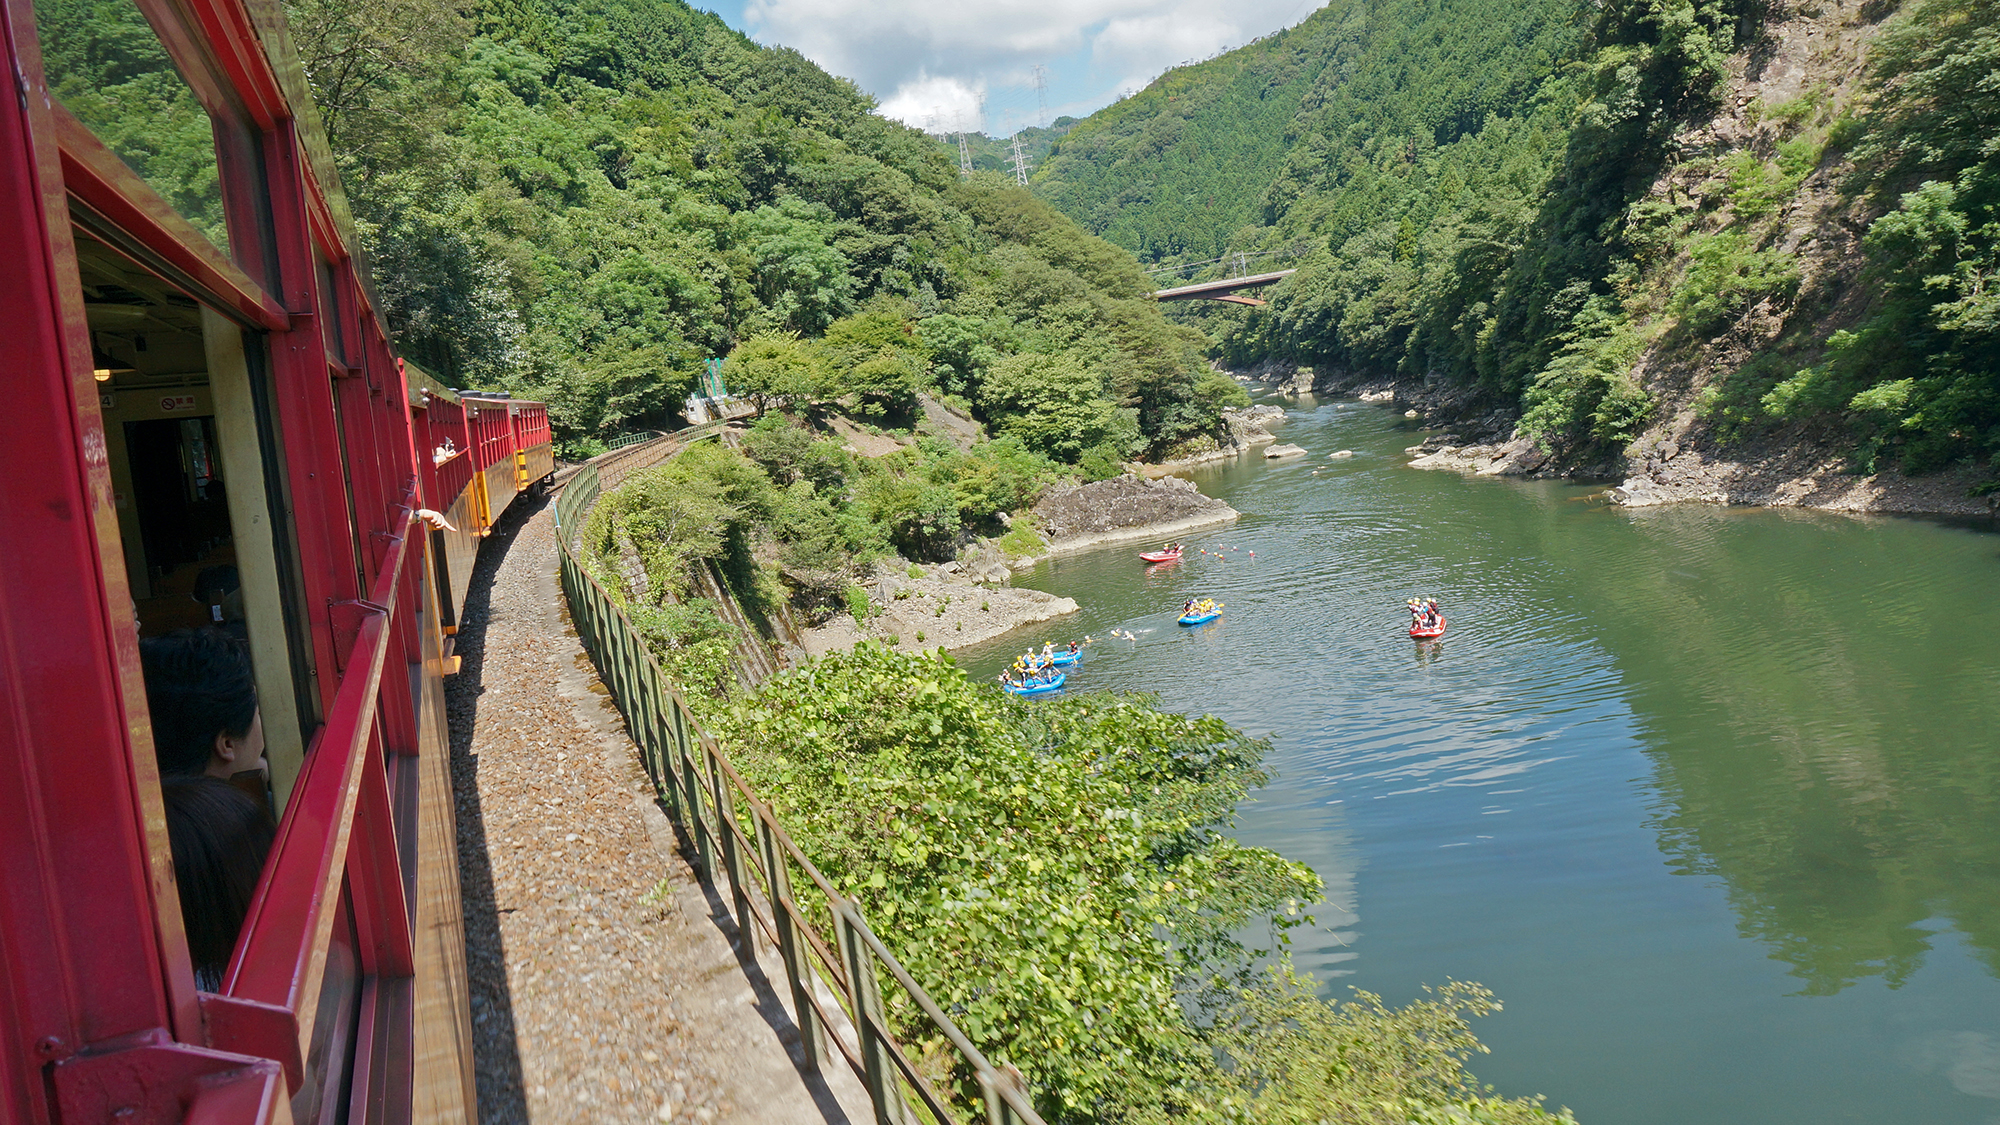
(1747,226)
(1175,170)
(583,201)
(1171,172)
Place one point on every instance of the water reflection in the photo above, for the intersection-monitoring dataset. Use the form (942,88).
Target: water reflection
(1708,796)
(1818,694)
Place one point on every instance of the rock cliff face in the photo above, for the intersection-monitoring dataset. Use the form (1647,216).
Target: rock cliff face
(1128,507)
(1806,70)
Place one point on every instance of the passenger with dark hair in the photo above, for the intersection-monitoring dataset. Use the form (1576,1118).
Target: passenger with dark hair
(220,837)
(204,703)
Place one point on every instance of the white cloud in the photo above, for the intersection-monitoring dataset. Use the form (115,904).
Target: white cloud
(915,55)
(937,105)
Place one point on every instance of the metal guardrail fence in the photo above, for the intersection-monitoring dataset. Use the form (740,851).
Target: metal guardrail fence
(835,982)
(633,438)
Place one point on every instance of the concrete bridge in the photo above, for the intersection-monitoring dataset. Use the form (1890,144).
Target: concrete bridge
(1225,289)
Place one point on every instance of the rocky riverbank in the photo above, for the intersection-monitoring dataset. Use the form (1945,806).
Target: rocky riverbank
(951,605)
(961,603)
(1676,462)
(1665,472)
(1246,428)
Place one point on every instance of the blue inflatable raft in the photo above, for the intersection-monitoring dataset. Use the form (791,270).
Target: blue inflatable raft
(1040,687)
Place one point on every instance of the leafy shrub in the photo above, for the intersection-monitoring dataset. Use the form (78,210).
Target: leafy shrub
(1757,187)
(895,771)
(1021,541)
(1726,275)
(1054,405)
(1586,396)
(694,645)
(1799,110)
(1292,1059)
(1059,876)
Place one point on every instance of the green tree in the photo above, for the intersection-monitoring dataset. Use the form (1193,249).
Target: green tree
(1054,405)
(779,366)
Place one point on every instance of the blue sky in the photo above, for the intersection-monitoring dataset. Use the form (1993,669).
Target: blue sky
(946,64)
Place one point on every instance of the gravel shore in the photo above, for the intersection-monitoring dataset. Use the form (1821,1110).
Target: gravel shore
(607,984)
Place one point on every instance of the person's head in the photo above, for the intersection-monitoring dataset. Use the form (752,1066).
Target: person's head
(204,703)
(220,837)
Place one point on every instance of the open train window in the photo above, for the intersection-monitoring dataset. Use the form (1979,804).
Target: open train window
(188,438)
(161,107)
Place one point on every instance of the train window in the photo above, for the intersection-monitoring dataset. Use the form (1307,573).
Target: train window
(107,67)
(199,532)
(185,138)
(332,328)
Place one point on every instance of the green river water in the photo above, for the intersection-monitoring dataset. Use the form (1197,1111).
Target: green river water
(1710,797)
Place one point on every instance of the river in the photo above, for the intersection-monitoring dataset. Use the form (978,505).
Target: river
(1710,797)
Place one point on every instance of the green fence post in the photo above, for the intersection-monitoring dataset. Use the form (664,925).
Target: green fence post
(657,762)
(733,860)
(791,947)
(704,840)
(684,776)
(870,1020)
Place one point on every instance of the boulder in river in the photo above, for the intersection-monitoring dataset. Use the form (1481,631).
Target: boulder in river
(1278,451)
(1125,507)
(1335,456)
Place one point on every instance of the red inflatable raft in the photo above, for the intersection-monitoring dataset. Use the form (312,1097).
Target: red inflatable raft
(1425,634)
(1159,556)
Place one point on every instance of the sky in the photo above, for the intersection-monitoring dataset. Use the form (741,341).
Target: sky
(936,63)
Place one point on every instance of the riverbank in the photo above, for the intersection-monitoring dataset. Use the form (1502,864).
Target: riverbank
(963,603)
(931,606)
(1802,478)
(1672,464)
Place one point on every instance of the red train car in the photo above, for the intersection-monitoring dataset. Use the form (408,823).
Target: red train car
(199,388)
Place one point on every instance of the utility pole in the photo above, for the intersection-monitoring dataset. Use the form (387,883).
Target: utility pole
(1042,93)
(1020,163)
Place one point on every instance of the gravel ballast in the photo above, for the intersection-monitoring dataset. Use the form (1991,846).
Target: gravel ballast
(606,981)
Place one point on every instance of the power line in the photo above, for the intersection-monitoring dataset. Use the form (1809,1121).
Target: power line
(1042,94)
(1241,259)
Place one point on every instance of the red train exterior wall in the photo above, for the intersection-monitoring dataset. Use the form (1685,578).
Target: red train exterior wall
(100,1018)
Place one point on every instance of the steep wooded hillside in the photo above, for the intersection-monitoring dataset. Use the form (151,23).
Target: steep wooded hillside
(1761,229)
(1174,170)
(582,201)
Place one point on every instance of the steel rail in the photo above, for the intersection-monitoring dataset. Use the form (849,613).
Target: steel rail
(720,812)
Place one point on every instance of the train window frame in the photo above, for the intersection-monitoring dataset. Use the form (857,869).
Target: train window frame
(234,149)
(108,958)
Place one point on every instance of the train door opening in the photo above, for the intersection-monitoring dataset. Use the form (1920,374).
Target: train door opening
(191,483)
(178,502)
